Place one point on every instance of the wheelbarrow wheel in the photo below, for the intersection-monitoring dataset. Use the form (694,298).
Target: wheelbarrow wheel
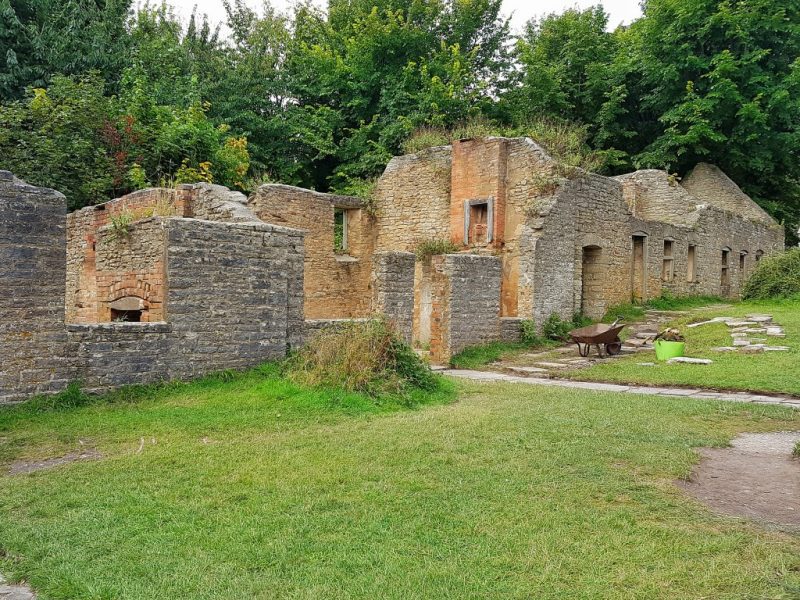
(614,348)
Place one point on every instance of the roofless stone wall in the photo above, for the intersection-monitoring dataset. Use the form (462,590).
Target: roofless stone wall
(32,267)
(232,297)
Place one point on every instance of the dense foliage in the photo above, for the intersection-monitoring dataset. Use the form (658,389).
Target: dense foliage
(776,276)
(98,98)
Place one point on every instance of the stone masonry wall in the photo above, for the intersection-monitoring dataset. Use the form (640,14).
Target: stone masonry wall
(336,285)
(393,289)
(232,298)
(234,293)
(32,270)
(466,303)
(412,201)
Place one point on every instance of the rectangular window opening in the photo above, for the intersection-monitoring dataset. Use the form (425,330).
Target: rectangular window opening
(340,230)
(126,316)
(742,260)
(725,280)
(668,268)
(690,264)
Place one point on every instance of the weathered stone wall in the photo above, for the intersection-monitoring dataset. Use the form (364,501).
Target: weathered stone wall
(393,290)
(412,201)
(478,173)
(32,270)
(711,186)
(131,265)
(336,285)
(466,303)
(233,298)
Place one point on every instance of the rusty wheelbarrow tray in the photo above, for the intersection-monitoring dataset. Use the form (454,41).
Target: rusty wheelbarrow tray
(597,335)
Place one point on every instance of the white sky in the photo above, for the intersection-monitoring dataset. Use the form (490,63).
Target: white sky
(621,11)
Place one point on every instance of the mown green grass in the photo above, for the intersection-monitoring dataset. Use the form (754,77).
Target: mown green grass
(634,312)
(768,372)
(476,357)
(257,488)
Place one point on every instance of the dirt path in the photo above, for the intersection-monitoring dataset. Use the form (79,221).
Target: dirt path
(757,478)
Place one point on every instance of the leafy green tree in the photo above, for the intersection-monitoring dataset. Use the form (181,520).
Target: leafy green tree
(715,81)
(41,38)
(565,62)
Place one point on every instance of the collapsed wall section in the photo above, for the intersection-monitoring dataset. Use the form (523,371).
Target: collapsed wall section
(32,269)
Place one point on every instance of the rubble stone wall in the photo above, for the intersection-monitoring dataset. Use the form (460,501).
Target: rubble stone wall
(234,292)
(393,290)
(336,285)
(32,270)
(412,201)
(466,303)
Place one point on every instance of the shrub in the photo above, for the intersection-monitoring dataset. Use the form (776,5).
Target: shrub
(427,248)
(365,357)
(556,329)
(529,336)
(776,276)
(796,451)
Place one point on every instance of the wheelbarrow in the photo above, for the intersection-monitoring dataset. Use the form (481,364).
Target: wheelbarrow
(597,335)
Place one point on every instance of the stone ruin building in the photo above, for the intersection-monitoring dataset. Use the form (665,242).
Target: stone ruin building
(174,283)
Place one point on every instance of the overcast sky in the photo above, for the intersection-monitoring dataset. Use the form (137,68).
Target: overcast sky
(621,11)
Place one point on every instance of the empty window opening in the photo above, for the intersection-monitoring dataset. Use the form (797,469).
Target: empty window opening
(668,267)
(691,273)
(638,272)
(478,221)
(726,277)
(126,316)
(742,260)
(340,230)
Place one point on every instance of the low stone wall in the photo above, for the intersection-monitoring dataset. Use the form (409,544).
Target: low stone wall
(393,290)
(511,329)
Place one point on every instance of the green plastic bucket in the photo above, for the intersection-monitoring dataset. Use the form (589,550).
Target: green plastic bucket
(666,350)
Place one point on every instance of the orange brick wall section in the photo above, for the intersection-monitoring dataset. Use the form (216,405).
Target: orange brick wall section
(478,172)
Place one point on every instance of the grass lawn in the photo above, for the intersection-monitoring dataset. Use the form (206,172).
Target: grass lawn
(255,488)
(767,372)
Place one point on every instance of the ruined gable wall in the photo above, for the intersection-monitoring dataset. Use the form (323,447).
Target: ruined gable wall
(652,196)
(412,200)
(336,286)
(710,185)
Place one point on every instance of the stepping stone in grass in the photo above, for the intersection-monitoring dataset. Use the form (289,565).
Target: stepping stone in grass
(552,365)
(690,361)
(756,349)
(741,323)
(524,371)
(725,349)
(760,318)
(741,342)
(776,348)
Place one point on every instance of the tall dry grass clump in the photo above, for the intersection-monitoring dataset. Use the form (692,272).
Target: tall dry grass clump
(366,356)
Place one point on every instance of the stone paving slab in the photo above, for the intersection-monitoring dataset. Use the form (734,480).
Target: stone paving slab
(696,393)
(15,592)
